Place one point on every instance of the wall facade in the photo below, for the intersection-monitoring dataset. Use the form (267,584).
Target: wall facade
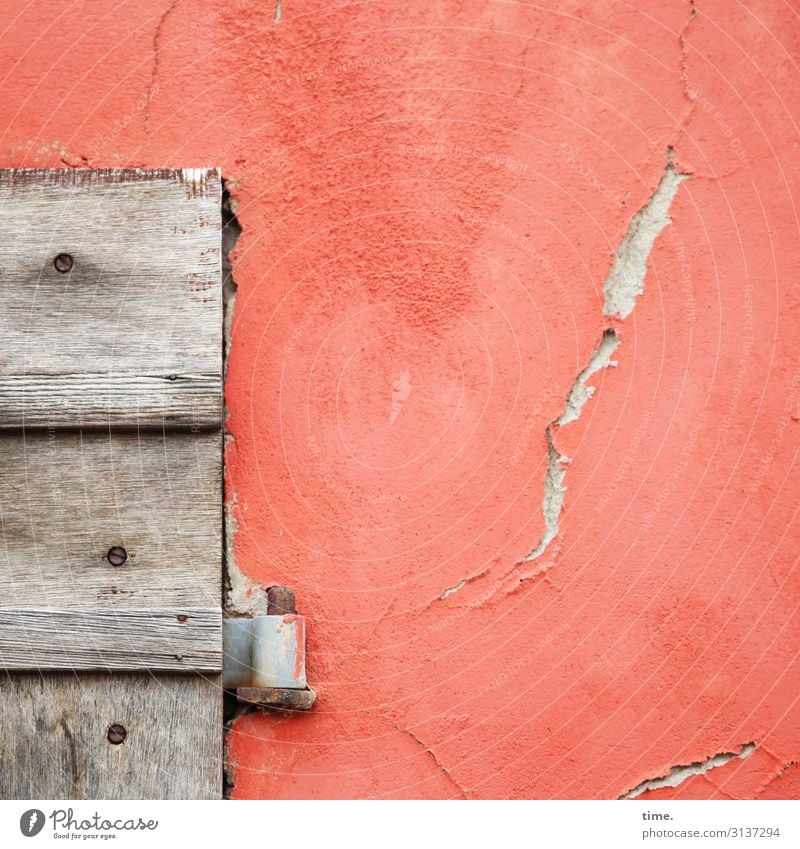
(513,386)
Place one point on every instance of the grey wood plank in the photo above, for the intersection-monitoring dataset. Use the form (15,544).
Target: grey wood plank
(124,345)
(182,639)
(54,736)
(112,400)
(67,498)
(142,301)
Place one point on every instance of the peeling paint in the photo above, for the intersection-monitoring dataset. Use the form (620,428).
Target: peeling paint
(581,392)
(679,774)
(553,499)
(454,589)
(623,285)
(384,236)
(626,281)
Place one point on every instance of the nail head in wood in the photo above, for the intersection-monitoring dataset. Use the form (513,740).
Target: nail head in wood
(117,556)
(63,263)
(116,735)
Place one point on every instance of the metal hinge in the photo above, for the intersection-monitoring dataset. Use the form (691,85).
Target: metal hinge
(264,659)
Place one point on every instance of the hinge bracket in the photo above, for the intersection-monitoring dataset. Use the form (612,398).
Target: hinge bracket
(264,658)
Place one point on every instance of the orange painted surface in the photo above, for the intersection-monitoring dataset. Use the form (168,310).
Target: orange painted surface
(431,195)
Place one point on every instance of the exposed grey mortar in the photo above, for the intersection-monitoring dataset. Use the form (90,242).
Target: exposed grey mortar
(242,596)
(454,589)
(623,285)
(553,498)
(554,489)
(626,281)
(231,231)
(579,394)
(679,774)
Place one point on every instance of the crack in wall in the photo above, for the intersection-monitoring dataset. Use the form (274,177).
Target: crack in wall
(685,55)
(788,765)
(232,576)
(454,589)
(579,394)
(678,774)
(241,594)
(439,764)
(156,63)
(553,498)
(626,281)
(623,285)
(231,231)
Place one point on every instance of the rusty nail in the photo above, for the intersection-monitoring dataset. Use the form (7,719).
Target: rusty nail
(116,734)
(277,698)
(117,556)
(63,263)
(182,617)
(280,601)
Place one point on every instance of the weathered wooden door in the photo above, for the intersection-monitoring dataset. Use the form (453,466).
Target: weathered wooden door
(110,484)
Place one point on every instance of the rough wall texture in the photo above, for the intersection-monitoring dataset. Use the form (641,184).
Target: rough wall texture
(526,450)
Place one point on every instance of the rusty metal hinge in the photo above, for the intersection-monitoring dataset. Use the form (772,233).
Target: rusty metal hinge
(264,659)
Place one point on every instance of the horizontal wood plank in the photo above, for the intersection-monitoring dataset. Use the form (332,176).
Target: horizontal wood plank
(113,400)
(67,498)
(177,640)
(102,351)
(96,346)
(54,736)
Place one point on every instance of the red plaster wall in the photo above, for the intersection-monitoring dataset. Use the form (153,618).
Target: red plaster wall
(431,194)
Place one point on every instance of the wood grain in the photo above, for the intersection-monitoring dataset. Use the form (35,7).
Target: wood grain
(143,301)
(183,639)
(67,498)
(111,413)
(54,745)
(112,400)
